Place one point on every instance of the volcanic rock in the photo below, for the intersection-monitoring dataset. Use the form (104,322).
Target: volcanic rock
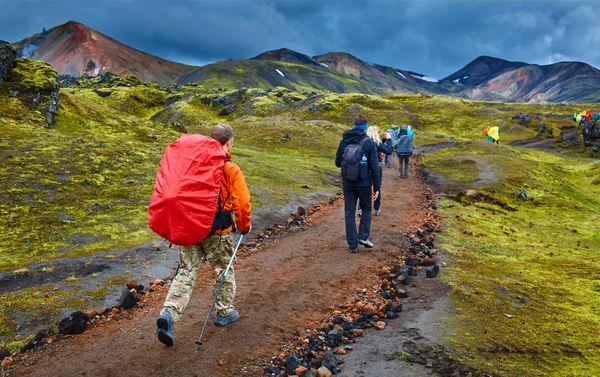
(431,273)
(273,370)
(75,323)
(127,300)
(227,110)
(7,61)
(323,372)
(291,363)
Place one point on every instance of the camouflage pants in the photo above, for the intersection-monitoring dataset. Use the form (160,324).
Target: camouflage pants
(217,250)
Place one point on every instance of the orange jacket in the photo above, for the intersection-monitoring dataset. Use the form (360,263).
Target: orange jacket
(235,196)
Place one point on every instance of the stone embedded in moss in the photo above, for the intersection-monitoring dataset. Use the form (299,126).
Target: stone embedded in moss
(7,60)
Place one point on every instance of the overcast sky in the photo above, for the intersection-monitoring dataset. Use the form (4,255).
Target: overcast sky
(435,38)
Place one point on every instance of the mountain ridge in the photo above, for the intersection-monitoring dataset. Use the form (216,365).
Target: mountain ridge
(73,48)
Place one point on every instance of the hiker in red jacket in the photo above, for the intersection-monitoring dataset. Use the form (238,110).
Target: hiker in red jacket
(216,249)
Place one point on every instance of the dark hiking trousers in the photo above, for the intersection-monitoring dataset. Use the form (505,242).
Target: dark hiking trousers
(404,160)
(377,204)
(351,196)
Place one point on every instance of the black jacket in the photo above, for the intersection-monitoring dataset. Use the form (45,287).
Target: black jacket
(353,136)
(386,146)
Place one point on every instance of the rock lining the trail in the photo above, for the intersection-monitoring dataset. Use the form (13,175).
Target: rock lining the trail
(133,298)
(369,308)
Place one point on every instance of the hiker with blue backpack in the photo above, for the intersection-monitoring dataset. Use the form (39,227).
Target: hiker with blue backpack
(361,179)
(404,149)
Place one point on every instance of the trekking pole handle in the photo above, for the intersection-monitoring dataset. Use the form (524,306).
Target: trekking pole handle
(199,341)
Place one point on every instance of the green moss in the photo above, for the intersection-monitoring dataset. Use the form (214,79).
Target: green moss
(35,75)
(534,263)
(97,294)
(116,280)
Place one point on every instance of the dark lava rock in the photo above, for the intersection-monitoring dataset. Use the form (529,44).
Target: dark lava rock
(29,346)
(103,93)
(7,60)
(227,110)
(523,119)
(291,363)
(286,137)
(313,108)
(307,373)
(396,307)
(591,133)
(330,361)
(229,99)
(139,288)
(570,136)
(391,315)
(73,324)
(127,300)
(273,370)
(4,353)
(542,128)
(337,333)
(40,335)
(431,273)
(65,81)
(522,194)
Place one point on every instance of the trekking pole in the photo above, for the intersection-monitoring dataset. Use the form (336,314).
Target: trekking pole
(199,341)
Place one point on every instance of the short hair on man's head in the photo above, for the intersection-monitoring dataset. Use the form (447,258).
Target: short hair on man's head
(360,120)
(222,133)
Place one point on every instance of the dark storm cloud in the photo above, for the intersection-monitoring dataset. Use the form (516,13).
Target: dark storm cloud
(432,37)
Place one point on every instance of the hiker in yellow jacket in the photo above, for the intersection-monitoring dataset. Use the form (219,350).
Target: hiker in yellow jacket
(493,134)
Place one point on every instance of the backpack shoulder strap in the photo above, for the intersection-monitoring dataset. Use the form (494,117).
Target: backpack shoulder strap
(364,141)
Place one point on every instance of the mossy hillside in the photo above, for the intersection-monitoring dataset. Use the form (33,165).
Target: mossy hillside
(82,186)
(34,75)
(25,93)
(536,263)
(263,74)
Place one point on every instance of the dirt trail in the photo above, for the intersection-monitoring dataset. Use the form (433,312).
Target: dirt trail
(287,283)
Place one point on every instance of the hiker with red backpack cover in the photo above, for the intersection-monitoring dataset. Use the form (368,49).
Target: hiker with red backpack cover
(197,189)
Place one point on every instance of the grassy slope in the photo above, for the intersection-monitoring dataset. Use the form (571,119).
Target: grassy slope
(543,252)
(84,186)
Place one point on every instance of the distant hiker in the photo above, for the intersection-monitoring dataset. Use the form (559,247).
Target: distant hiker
(404,149)
(493,134)
(390,135)
(357,156)
(588,115)
(410,132)
(384,148)
(217,249)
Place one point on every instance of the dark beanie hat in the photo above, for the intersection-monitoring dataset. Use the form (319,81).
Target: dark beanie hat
(360,120)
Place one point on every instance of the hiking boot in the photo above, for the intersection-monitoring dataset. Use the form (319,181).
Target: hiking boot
(164,325)
(378,212)
(224,320)
(353,250)
(359,213)
(366,243)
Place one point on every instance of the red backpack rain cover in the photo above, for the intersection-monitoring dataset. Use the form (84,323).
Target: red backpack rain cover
(184,201)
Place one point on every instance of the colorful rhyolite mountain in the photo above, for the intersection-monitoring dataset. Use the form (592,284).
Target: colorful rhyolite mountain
(73,49)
